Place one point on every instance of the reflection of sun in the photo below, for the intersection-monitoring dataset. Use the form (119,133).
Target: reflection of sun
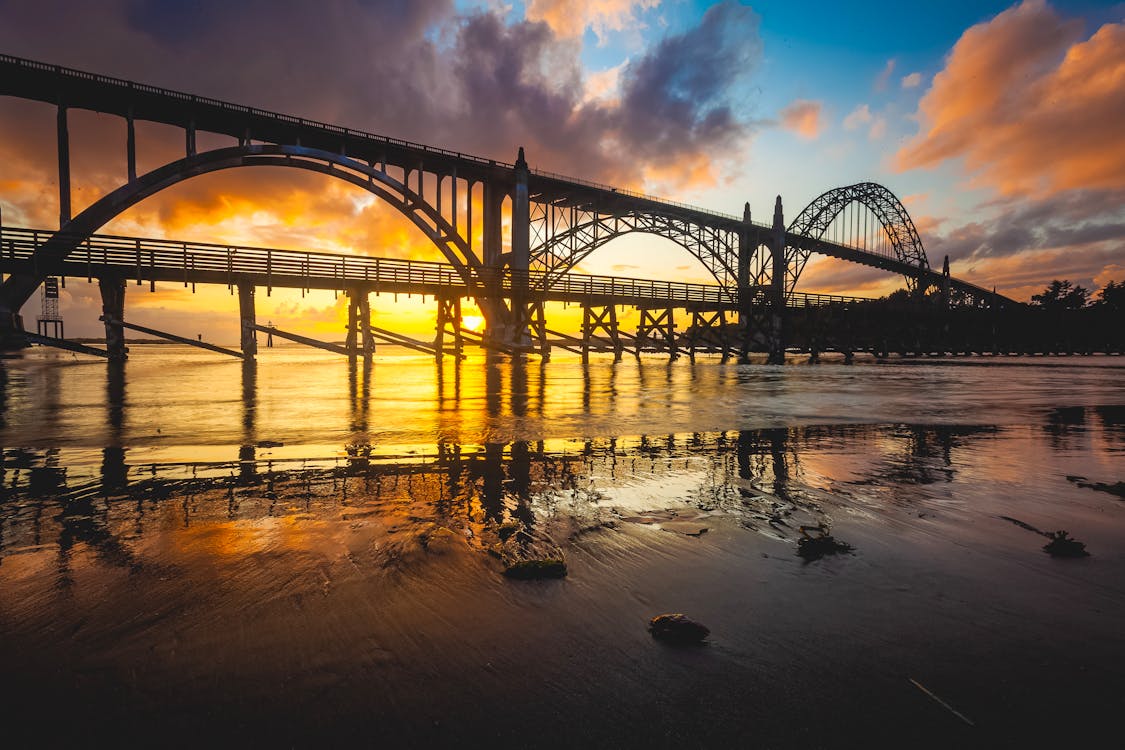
(472,322)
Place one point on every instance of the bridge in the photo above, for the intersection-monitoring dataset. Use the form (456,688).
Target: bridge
(555,222)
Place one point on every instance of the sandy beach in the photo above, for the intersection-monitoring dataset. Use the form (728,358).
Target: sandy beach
(366,603)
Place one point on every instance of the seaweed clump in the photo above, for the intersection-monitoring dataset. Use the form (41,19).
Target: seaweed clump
(678,629)
(1062,545)
(529,570)
(812,547)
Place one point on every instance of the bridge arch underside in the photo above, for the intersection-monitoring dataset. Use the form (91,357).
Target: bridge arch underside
(449,240)
(865,216)
(561,238)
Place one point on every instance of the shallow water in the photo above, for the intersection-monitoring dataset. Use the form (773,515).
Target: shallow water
(313,554)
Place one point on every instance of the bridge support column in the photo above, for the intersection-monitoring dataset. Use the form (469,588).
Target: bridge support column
(112,289)
(448,317)
(708,328)
(746,249)
(662,323)
(351,341)
(776,333)
(531,319)
(600,318)
(493,244)
(248,317)
(365,324)
(491,301)
(64,166)
(11,325)
(521,255)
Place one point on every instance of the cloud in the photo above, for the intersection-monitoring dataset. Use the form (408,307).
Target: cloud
(861,117)
(673,115)
(1028,105)
(571,18)
(885,74)
(827,275)
(1110,272)
(1073,220)
(679,98)
(858,117)
(803,118)
(878,128)
(1023,244)
(605,85)
(1030,108)
(912,81)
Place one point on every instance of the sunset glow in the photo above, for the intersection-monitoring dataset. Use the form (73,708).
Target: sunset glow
(615,92)
(562,373)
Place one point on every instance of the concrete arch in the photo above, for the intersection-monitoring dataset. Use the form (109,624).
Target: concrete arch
(18,289)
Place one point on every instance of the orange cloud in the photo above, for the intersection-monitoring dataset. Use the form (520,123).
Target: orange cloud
(802,117)
(1031,107)
(571,18)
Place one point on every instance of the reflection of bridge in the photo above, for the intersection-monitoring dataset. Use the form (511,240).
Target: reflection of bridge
(555,221)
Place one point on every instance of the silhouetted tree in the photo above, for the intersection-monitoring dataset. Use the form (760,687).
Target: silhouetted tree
(1112,296)
(1062,295)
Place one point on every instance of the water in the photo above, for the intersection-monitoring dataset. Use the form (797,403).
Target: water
(310,553)
(174,403)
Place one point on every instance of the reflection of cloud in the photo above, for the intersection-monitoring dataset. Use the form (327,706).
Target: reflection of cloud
(1031,106)
(802,117)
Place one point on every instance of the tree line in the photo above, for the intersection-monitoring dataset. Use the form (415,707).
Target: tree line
(1062,295)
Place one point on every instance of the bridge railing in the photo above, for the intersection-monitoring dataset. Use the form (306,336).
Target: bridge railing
(135,256)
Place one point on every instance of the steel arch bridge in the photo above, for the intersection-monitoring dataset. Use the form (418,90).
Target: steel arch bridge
(555,221)
(895,229)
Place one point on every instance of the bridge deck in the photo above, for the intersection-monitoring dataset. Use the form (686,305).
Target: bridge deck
(151,260)
(887,263)
(55,84)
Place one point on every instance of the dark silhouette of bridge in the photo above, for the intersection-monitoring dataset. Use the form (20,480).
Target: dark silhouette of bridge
(555,222)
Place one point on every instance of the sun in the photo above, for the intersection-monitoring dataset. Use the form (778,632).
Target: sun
(472,322)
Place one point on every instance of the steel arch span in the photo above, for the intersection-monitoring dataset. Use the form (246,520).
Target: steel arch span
(898,228)
(563,236)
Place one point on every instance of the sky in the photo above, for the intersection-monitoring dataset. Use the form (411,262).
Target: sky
(998,125)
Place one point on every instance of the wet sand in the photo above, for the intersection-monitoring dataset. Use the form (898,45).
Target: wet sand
(269,604)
